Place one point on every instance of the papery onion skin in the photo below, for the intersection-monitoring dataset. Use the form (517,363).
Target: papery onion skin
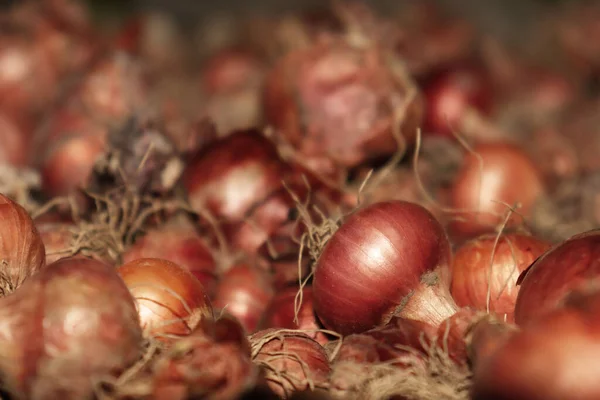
(474,271)
(563,268)
(555,357)
(72,323)
(180,245)
(171,301)
(507,175)
(244,291)
(22,252)
(299,358)
(333,99)
(390,258)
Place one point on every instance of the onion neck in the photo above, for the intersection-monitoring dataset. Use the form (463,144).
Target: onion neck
(431,303)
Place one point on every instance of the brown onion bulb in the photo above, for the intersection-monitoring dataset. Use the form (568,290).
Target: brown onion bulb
(567,266)
(387,259)
(171,301)
(291,360)
(22,252)
(332,99)
(486,269)
(506,175)
(65,328)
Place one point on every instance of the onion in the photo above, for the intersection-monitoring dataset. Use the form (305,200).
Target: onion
(244,291)
(485,271)
(206,363)
(506,175)
(69,326)
(280,313)
(567,266)
(390,258)
(181,245)
(22,251)
(232,175)
(451,94)
(57,238)
(292,361)
(333,99)
(15,137)
(554,357)
(170,300)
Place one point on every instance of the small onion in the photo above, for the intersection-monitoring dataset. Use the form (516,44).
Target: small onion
(486,269)
(22,252)
(181,245)
(244,291)
(66,327)
(565,267)
(506,174)
(280,313)
(292,361)
(171,301)
(390,258)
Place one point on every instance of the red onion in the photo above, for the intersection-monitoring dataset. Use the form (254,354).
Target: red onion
(15,137)
(567,266)
(390,258)
(181,245)
(22,251)
(281,313)
(485,271)
(451,94)
(207,362)
(505,174)
(554,357)
(232,175)
(67,327)
(292,361)
(170,300)
(281,254)
(244,291)
(332,99)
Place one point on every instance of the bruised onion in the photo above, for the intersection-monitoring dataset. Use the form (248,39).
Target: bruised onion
(170,300)
(281,313)
(181,245)
(292,361)
(388,259)
(495,173)
(22,252)
(244,291)
(333,99)
(485,271)
(554,357)
(72,324)
(564,268)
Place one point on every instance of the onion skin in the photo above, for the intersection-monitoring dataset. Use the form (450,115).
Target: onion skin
(332,99)
(180,245)
(280,313)
(22,252)
(231,175)
(563,268)
(508,175)
(390,258)
(299,358)
(555,357)
(244,291)
(171,301)
(72,323)
(473,271)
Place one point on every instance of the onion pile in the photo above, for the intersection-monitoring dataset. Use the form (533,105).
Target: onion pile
(329,203)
